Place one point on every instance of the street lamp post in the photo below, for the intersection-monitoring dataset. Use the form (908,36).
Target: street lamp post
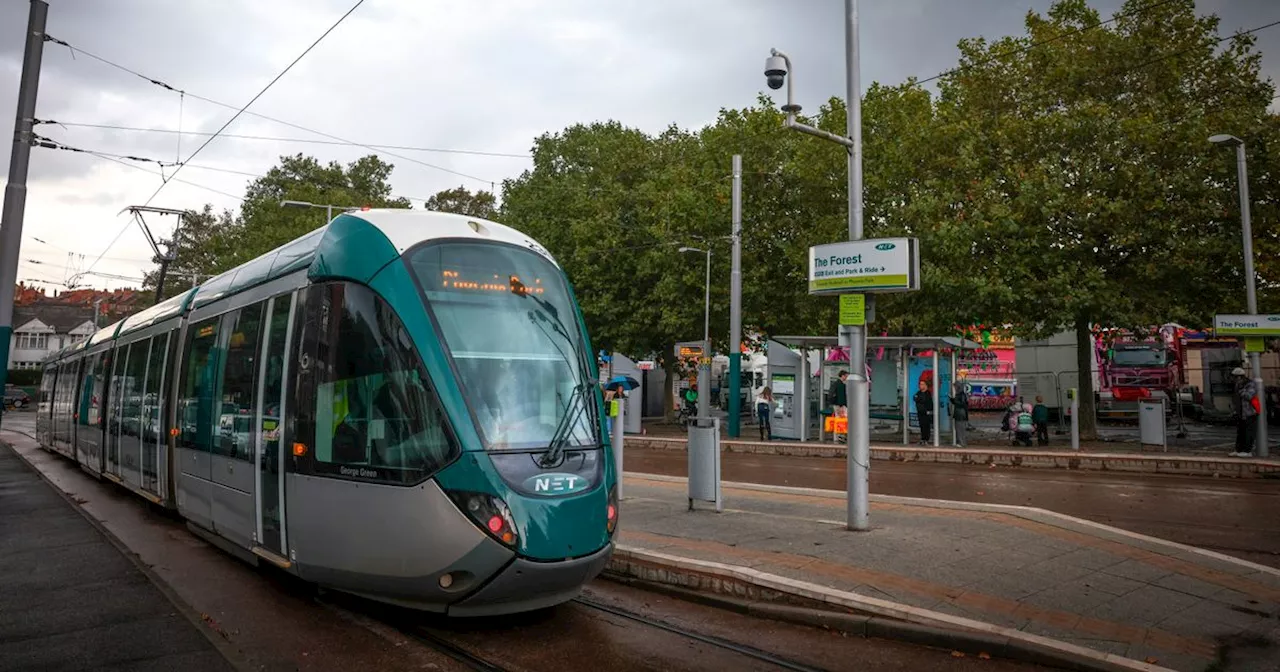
(1251,294)
(776,69)
(328,209)
(704,366)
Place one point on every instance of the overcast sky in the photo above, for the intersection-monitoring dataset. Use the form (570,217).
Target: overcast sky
(479,75)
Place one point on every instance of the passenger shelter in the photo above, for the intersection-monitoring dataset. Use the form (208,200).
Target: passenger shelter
(799,415)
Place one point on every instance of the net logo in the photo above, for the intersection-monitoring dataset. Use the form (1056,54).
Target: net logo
(555,484)
(885,246)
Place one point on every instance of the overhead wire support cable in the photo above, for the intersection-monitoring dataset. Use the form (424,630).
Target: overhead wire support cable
(210,139)
(243,110)
(308,141)
(1055,38)
(253,100)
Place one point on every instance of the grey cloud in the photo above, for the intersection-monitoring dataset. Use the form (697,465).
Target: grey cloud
(659,63)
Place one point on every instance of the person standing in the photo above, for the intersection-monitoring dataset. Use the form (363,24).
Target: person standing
(1024,426)
(924,411)
(764,411)
(1246,405)
(960,414)
(839,399)
(1040,418)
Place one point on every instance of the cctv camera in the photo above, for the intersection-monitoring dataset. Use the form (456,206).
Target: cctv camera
(775,71)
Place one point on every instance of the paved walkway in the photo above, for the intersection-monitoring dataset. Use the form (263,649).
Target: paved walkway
(1045,574)
(71,600)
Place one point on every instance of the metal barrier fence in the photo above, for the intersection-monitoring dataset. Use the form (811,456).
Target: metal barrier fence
(1199,407)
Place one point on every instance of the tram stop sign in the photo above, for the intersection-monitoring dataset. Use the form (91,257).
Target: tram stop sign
(863,266)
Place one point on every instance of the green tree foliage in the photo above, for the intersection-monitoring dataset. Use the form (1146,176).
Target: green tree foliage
(1092,195)
(461,201)
(267,225)
(210,242)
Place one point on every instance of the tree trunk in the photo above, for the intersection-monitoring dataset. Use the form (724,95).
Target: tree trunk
(1084,364)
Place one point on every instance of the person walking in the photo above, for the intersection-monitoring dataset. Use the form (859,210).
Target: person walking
(1246,405)
(764,411)
(960,415)
(924,411)
(1040,418)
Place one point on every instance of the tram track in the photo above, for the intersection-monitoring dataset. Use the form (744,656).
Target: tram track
(453,644)
(743,649)
(430,639)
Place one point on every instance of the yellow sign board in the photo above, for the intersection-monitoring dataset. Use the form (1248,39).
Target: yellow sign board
(1254,344)
(853,310)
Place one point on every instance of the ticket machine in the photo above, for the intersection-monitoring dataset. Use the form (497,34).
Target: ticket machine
(784,380)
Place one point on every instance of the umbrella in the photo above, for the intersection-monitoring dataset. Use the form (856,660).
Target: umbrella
(626,383)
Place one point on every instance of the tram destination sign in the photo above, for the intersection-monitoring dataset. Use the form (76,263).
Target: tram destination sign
(1246,325)
(862,266)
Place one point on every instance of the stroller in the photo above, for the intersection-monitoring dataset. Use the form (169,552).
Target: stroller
(1009,425)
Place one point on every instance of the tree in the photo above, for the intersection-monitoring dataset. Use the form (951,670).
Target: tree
(1079,174)
(461,201)
(267,225)
(205,243)
(210,243)
(612,204)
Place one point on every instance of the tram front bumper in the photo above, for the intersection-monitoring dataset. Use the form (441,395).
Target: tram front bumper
(526,585)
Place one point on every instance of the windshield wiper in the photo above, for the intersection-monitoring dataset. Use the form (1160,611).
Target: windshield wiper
(568,422)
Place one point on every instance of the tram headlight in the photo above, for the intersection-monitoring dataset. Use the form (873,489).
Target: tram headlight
(611,513)
(490,513)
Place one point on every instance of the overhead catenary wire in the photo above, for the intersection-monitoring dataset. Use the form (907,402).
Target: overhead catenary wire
(260,93)
(47,143)
(266,138)
(239,111)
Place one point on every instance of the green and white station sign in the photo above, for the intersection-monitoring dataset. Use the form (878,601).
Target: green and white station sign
(1247,325)
(873,265)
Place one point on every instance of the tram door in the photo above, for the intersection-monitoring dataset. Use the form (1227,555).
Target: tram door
(270,415)
(233,472)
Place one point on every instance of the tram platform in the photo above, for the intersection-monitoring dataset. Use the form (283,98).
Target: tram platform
(72,600)
(1002,576)
(1093,457)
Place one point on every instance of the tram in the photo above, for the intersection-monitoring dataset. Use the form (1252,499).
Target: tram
(399,405)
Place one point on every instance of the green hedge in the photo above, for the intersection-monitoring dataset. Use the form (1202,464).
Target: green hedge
(26,378)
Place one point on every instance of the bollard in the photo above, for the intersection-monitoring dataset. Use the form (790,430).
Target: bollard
(619,409)
(1074,395)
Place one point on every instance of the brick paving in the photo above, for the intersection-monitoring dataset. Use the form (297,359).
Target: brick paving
(1047,575)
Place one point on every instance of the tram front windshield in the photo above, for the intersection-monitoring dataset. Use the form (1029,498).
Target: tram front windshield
(508,322)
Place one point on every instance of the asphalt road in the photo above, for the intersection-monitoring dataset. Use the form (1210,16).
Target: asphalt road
(1240,517)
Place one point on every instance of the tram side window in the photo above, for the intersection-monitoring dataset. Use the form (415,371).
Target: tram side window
(239,383)
(196,414)
(372,413)
(131,399)
(95,381)
(46,389)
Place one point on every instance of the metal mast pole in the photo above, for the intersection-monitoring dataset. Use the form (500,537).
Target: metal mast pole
(735,306)
(15,191)
(858,465)
(1251,295)
(704,368)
